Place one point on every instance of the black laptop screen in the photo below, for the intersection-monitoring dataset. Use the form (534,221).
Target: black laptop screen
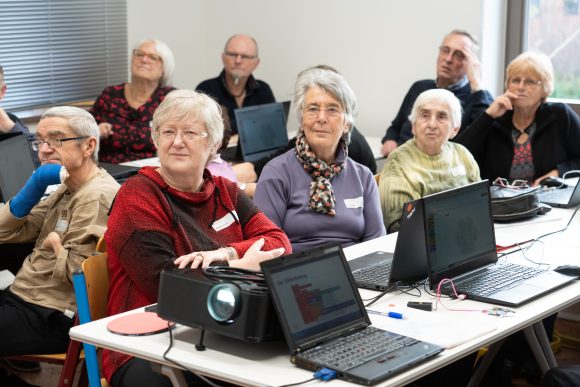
(262,130)
(458,227)
(315,295)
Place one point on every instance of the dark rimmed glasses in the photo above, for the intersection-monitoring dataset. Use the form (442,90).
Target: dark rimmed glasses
(54,142)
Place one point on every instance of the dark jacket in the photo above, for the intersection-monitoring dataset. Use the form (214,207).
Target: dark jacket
(471,103)
(257,93)
(555,144)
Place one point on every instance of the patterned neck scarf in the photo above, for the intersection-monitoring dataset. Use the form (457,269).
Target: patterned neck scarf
(321,194)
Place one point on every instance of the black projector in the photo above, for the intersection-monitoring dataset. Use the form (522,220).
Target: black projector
(228,305)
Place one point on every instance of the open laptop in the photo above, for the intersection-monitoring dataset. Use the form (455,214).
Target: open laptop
(326,325)
(561,197)
(408,264)
(460,245)
(119,172)
(261,130)
(16,164)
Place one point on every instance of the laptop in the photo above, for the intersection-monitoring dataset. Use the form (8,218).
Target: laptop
(408,264)
(326,325)
(460,245)
(16,164)
(261,130)
(119,172)
(561,197)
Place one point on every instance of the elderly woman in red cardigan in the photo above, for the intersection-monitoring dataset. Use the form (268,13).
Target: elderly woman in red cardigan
(179,215)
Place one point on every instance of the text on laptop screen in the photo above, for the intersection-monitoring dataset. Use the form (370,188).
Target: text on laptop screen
(316,297)
(261,128)
(458,226)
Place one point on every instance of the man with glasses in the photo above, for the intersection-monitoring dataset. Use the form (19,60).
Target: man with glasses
(37,310)
(458,70)
(9,123)
(236,87)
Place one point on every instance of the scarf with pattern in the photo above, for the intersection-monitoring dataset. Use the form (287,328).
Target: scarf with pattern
(322,198)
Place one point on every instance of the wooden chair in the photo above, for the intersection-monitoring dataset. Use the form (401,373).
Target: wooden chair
(91,290)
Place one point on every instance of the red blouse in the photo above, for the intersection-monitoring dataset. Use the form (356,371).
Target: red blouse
(131,138)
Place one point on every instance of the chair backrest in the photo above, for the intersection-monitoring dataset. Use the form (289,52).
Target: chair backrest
(97,280)
(91,286)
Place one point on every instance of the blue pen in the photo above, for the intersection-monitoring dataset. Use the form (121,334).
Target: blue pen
(398,316)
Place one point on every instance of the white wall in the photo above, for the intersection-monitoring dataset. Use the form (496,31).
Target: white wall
(381,47)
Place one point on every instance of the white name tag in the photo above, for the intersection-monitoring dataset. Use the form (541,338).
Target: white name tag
(224,222)
(62,222)
(354,203)
(458,171)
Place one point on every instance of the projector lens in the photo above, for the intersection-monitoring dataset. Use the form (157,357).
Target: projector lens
(223,302)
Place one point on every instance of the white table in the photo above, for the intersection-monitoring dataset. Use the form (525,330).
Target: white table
(267,364)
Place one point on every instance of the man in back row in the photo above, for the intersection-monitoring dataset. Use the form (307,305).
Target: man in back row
(458,70)
(236,87)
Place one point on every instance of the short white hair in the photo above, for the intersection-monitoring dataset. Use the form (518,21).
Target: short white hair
(438,95)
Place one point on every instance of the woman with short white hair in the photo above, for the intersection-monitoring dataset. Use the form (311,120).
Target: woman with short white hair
(429,162)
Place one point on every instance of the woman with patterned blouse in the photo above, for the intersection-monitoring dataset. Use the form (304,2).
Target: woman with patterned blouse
(124,112)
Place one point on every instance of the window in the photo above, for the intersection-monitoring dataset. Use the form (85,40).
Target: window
(56,51)
(552,27)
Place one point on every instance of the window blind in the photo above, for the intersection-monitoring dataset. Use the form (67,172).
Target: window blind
(55,51)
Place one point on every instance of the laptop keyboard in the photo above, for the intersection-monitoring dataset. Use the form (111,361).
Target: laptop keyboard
(374,274)
(496,278)
(355,349)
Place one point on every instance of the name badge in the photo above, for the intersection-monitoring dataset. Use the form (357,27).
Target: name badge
(62,222)
(354,203)
(224,222)
(458,170)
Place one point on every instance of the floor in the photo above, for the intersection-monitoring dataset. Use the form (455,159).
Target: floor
(49,374)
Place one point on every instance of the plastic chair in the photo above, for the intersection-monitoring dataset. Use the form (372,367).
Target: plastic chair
(91,285)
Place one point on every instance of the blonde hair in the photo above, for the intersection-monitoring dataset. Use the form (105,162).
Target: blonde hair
(535,64)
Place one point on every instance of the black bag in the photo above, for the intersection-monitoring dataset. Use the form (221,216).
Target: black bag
(509,203)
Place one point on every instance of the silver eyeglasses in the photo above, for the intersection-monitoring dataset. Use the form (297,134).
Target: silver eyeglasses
(54,142)
(235,55)
(312,111)
(188,135)
(527,82)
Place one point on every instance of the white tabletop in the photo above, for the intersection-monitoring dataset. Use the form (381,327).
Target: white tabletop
(462,332)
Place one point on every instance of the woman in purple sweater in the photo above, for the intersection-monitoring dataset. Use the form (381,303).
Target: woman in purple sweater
(315,192)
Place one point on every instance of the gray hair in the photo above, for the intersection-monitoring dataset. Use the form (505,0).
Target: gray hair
(333,83)
(536,64)
(474,42)
(235,36)
(81,122)
(442,96)
(166,57)
(181,104)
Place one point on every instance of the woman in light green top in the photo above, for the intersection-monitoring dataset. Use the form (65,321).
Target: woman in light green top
(428,163)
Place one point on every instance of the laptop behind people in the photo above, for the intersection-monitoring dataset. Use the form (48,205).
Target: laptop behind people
(384,271)
(16,164)
(261,130)
(460,245)
(326,325)
(561,197)
(119,172)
